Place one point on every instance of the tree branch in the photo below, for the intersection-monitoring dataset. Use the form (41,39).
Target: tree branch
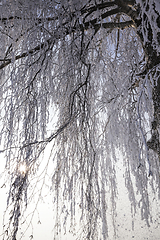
(103,16)
(120,25)
(85,26)
(124,5)
(83,11)
(25,54)
(98,7)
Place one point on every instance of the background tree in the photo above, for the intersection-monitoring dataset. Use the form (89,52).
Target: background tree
(92,69)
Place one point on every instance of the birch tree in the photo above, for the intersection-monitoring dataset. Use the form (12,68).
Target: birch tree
(82,76)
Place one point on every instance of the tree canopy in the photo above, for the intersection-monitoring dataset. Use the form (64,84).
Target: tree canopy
(82,77)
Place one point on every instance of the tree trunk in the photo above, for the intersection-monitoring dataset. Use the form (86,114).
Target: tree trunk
(148,29)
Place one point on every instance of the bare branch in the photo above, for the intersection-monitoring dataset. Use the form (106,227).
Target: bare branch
(120,25)
(25,54)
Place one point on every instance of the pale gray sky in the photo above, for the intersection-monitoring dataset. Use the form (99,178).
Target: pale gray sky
(124,224)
